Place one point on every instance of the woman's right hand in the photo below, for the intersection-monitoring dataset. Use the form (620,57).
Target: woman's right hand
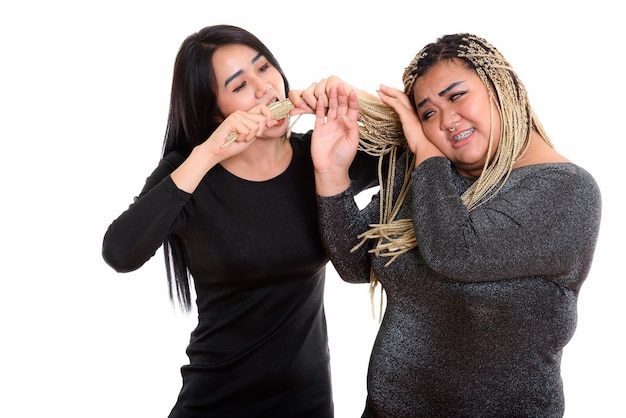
(246,125)
(238,131)
(419,144)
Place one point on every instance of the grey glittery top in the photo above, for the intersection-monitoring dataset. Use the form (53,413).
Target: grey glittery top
(478,314)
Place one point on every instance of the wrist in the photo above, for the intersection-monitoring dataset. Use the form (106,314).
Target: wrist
(330,183)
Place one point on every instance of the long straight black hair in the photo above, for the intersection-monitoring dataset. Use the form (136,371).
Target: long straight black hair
(193,116)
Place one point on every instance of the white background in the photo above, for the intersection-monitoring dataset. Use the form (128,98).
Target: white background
(84,99)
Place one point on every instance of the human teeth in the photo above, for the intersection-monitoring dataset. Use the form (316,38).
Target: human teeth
(463,135)
(280,109)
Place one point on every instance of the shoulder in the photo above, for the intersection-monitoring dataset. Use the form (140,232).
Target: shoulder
(557,172)
(558,184)
(539,152)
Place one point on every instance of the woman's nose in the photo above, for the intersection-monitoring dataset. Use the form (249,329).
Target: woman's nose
(263,89)
(448,122)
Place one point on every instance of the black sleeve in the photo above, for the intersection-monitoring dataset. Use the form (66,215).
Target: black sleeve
(134,237)
(364,171)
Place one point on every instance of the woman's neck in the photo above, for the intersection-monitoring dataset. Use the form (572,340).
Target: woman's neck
(539,152)
(264,159)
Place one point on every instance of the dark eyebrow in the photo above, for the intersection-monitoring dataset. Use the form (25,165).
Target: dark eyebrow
(441,93)
(238,73)
(450,87)
(256,58)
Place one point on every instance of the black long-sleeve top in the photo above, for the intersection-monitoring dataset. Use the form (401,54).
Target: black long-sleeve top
(260,348)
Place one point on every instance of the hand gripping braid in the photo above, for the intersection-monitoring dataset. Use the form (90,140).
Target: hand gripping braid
(379,125)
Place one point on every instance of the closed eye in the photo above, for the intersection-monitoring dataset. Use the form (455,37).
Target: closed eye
(455,96)
(427,115)
(239,87)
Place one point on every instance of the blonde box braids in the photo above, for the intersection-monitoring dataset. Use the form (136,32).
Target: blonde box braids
(508,97)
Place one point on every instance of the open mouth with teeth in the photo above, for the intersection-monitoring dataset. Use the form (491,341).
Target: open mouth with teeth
(463,135)
(280,108)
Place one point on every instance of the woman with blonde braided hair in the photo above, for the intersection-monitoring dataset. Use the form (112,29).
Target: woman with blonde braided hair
(481,240)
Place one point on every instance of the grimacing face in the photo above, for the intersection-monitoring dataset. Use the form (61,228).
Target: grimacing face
(453,106)
(244,79)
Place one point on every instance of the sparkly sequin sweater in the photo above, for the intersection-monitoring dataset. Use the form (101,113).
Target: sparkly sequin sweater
(478,313)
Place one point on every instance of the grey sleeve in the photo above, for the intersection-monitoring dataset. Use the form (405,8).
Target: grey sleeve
(544,222)
(340,223)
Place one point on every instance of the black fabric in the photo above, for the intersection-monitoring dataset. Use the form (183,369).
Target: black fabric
(260,348)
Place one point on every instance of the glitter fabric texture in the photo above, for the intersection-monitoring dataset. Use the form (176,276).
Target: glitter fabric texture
(479,311)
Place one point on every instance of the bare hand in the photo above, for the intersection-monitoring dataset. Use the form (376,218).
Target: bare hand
(419,144)
(335,140)
(305,101)
(247,125)
(239,129)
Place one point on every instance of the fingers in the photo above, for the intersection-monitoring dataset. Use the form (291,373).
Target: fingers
(399,101)
(349,111)
(243,126)
(308,98)
(342,104)
(320,115)
(320,92)
(305,101)
(393,97)
(411,125)
(333,104)
(300,105)
(353,106)
(342,100)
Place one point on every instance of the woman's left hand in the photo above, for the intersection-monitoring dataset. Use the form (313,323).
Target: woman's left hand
(305,101)
(335,140)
